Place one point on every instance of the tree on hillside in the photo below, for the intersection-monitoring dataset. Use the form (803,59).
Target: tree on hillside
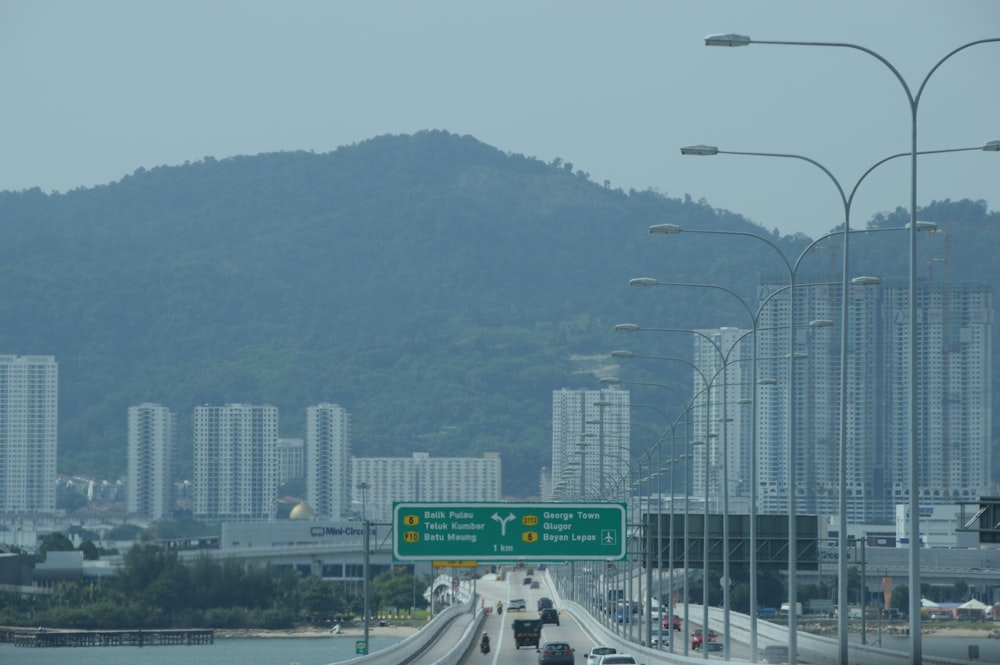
(55,542)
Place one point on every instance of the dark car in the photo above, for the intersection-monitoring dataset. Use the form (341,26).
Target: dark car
(544,603)
(527,580)
(555,653)
(535,585)
(549,615)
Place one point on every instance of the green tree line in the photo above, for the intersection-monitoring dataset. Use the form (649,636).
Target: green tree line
(156,589)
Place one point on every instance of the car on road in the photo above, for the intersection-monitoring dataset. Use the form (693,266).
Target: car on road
(595,654)
(555,653)
(549,615)
(674,621)
(544,603)
(713,637)
(515,605)
(655,642)
(535,585)
(527,580)
(618,659)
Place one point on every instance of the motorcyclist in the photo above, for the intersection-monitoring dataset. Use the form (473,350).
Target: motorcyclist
(499,607)
(484,644)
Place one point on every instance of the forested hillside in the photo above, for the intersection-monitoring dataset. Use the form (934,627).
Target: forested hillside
(437,288)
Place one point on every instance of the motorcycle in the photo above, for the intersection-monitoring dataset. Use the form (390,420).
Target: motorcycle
(484,647)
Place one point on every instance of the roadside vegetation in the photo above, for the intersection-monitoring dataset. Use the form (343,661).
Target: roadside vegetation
(155,589)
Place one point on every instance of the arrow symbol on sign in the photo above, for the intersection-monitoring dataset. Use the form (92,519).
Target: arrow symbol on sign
(503,522)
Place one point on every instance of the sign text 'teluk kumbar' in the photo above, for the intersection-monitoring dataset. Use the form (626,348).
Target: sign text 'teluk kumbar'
(508,531)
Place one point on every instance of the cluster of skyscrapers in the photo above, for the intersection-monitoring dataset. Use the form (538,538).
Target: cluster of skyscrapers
(240,461)
(954,407)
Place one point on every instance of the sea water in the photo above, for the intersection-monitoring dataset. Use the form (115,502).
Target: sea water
(258,651)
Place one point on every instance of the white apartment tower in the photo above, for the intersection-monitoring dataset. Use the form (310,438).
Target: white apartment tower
(720,413)
(291,459)
(953,398)
(328,455)
(590,444)
(380,481)
(29,394)
(235,462)
(152,437)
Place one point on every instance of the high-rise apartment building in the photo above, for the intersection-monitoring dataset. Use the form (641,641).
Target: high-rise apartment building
(590,444)
(152,438)
(235,462)
(291,459)
(380,481)
(29,395)
(328,455)
(720,413)
(953,398)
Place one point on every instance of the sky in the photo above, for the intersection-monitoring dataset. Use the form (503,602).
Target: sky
(92,91)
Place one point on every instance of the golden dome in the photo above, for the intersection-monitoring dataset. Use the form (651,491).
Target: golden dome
(302,512)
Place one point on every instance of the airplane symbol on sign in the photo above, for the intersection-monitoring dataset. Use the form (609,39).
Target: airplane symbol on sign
(608,537)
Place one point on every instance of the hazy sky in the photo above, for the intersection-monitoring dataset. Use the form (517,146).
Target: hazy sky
(93,90)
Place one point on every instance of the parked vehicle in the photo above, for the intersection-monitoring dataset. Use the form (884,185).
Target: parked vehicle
(527,632)
(555,653)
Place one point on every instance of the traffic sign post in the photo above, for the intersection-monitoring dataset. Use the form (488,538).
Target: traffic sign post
(509,531)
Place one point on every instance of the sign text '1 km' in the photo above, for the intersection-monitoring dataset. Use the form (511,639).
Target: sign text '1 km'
(508,531)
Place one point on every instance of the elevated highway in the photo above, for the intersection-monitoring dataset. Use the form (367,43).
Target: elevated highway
(457,644)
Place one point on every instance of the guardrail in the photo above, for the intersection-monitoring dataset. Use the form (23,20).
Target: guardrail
(418,642)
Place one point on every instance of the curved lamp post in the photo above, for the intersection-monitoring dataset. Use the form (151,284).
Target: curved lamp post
(726,362)
(792,270)
(913,100)
(846,201)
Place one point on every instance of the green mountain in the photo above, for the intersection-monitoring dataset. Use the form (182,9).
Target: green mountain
(435,287)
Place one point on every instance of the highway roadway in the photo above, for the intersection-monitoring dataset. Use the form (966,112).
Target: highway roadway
(500,630)
(570,629)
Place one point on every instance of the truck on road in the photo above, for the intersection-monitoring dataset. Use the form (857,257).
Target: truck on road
(527,632)
(784,610)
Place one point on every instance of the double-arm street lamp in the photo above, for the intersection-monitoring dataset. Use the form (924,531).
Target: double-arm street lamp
(913,101)
(846,201)
(792,268)
(726,362)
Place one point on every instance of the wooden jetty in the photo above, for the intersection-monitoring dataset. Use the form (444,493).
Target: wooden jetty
(111,638)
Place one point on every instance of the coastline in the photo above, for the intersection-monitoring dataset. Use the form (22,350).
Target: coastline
(354,632)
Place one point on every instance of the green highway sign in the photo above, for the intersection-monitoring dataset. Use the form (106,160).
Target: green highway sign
(508,531)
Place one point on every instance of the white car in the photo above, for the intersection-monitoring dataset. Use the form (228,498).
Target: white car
(618,659)
(595,654)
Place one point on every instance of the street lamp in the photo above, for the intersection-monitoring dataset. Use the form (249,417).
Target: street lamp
(913,100)
(792,268)
(363,486)
(671,229)
(846,201)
